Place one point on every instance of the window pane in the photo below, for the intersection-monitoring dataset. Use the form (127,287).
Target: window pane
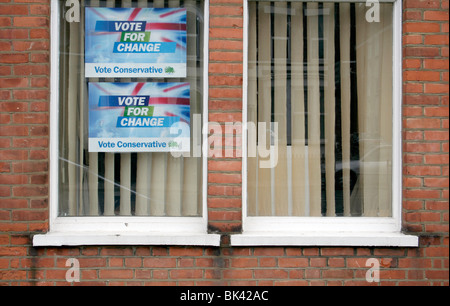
(125,184)
(322,73)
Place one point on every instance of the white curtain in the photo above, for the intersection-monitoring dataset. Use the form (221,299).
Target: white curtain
(324,74)
(110,184)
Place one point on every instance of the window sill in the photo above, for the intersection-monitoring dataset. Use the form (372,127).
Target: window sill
(128,238)
(364,239)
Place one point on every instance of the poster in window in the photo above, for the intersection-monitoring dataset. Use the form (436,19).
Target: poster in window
(135,42)
(139,117)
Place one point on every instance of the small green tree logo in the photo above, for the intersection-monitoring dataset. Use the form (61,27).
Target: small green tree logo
(170,70)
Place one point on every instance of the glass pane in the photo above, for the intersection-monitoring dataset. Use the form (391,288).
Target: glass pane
(133,183)
(320,82)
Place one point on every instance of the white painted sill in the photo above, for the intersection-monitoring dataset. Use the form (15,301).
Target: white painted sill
(332,239)
(128,238)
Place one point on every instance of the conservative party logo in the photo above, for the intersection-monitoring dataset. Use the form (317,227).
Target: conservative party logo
(135,42)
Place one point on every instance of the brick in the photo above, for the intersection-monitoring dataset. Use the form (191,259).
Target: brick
(13,106)
(32,94)
(5,167)
(38,154)
(244,262)
(21,215)
(411,39)
(39,33)
(341,274)
(422,123)
(233,22)
(5,119)
(14,10)
(271,274)
(216,80)
(422,76)
(31,118)
(436,182)
(225,68)
(32,142)
(436,111)
(226,10)
(30,22)
(13,179)
(186,273)
(428,4)
(436,135)
(224,203)
(5,21)
(224,215)
(421,52)
(422,147)
(421,100)
(337,251)
(422,194)
(13,154)
(159,262)
(30,191)
(39,9)
(224,178)
(421,27)
(4,95)
(31,70)
(185,251)
(116,274)
(293,262)
(435,16)
(29,167)
(13,34)
(238,274)
(439,64)
(13,251)
(436,88)
(5,71)
(13,82)
(116,252)
(226,33)
(225,45)
(225,117)
(436,39)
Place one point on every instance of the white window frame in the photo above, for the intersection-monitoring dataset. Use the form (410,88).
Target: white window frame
(118,230)
(333,231)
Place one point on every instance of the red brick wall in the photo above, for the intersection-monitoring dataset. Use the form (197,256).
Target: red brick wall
(24,128)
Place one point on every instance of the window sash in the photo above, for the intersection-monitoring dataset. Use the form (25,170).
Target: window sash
(328,1)
(252,226)
(144,225)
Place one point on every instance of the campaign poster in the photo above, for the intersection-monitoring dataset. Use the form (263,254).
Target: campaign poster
(139,117)
(135,42)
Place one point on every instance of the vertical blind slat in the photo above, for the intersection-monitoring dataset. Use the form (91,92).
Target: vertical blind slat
(93,177)
(344,14)
(314,113)
(190,172)
(252,112)
(385,181)
(298,113)
(280,114)
(264,110)
(142,168)
(72,131)
(329,107)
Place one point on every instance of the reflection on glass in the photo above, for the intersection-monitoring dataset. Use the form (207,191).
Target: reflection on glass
(124,184)
(324,74)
